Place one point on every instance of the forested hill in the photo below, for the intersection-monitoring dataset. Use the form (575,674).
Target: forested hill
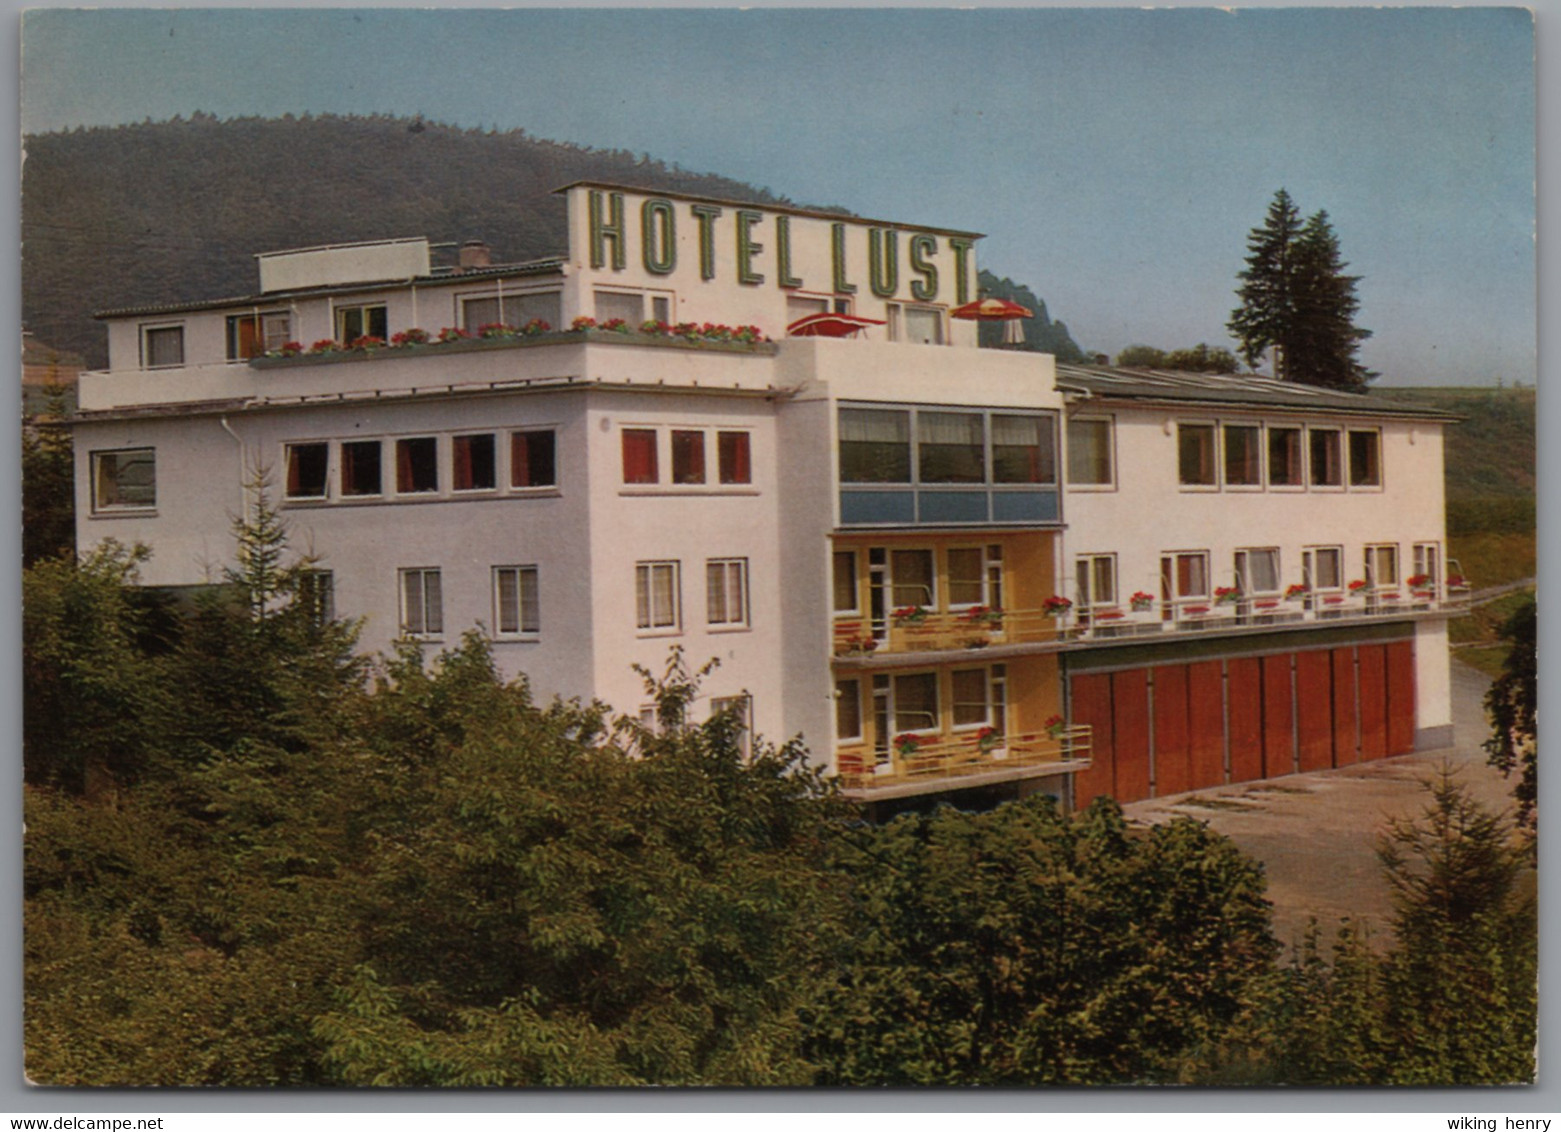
(173,211)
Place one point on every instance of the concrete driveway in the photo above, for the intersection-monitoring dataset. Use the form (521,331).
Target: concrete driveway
(1316,833)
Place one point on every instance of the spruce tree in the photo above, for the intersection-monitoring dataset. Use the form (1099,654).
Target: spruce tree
(1297,301)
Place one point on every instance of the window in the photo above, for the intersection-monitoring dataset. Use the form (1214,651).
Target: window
(798,306)
(736,465)
(1195,455)
(516,606)
(317,595)
(972,707)
(1183,575)
(250,335)
(656,598)
(511,310)
(1023,450)
(913,579)
(1243,456)
(360,467)
(1096,577)
(124,479)
(1257,570)
(475,459)
(639,456)
(307,470)
(1326,467)
(616,304)
(848,710)
(422,603)
(845,582)
(531,459)
(1365,458)
(740,710)
(967,576)
(1428,562)
(875,446)
(923,325)
(916,702)
(417,465)
(367,321)
(688,456)
(1284,457)
(1382,565)
(162,346)
(951,447)
(726,592)
(1323,567)
(1089,452)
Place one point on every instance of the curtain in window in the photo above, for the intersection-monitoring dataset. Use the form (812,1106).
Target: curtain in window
(970,699)
(916,702)
(1089,451)
(1022,450)
(913,577)
(966,570)
(688,456)
(639,455)
(509,600)
(732,453)
(952,447)
(294,473)
(463,461)
(848,709)
(845,580)
(875,446)
(404,477)
(530,601)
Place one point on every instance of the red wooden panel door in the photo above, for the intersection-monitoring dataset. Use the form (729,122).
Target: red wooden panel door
(1314,708)
(1346,745)
(1091,704)
(1373,701)
(1278,718)
(1205,724)
(1244,697)
(1172,772)
(1130,733)
(1401,697)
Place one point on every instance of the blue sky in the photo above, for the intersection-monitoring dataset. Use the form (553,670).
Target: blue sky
(1116,158)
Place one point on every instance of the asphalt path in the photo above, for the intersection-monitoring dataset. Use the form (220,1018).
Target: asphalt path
(1317,833)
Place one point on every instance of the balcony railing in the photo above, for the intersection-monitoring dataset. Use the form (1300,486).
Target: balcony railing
(1203,615)
(925,630)
(934,760)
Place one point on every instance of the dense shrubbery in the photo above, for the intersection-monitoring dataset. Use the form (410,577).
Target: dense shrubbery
(250,860)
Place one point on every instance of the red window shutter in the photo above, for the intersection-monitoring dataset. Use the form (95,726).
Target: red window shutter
(404,479)
(519,460)
(294,481)
(736,465)
(463,463)
(248,337)
(639,455)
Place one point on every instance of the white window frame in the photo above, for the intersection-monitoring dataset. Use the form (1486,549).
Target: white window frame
(395,467)
(986,706)
(338,318)
(1349,460)
(730,619)
(341,469)
(524,578)
(1309,568)
(935,728)
(149,328)
(497,460)
(1268,464)
(266,339)
(1373,551)
(504,298)
(507,460)
(1089,600)
(932,587)
(1419,564)
(287,463)
(1110,484)
(648,619)
(742,704)
(989,562)
(421,576)
(1216,462)
(1262,456)
(1344,456)
(317,590)
(1243,565)
(96,458)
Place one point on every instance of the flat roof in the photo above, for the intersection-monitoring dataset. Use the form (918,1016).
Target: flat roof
(1114,383)
(789,209)
(549,266)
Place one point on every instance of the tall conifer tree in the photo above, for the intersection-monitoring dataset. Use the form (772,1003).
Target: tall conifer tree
(1297,301)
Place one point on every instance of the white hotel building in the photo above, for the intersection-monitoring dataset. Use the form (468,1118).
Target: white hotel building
(874,534)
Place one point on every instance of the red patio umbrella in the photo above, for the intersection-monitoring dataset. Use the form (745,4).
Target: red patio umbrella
(997,310)
(829,324)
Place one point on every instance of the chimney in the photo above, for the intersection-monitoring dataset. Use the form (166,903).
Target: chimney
(475,254)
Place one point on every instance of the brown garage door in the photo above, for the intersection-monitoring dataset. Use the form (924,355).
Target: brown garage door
(1401,697)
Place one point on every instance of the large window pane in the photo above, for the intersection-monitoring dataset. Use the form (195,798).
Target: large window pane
(848,709)
(1195,455)
(306,470)
(912,578)
(1242,462)
(639,455)
(1284,457)
(1089,451)
(966,567)
(688,456)
(1326,466)
(125,479)
(1023,450)
(970,698)
(1365,463)
(875,446)
(531,459)
(916,702)
(845,581)
(952,447)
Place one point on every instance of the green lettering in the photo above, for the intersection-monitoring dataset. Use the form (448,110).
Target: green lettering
(883,262)
(603,230)
(922,246)
(783,253)
(837,244)
(706,214)
(746,248)
(961,268)
(661,251)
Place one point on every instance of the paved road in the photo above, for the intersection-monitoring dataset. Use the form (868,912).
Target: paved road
(1316,833)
